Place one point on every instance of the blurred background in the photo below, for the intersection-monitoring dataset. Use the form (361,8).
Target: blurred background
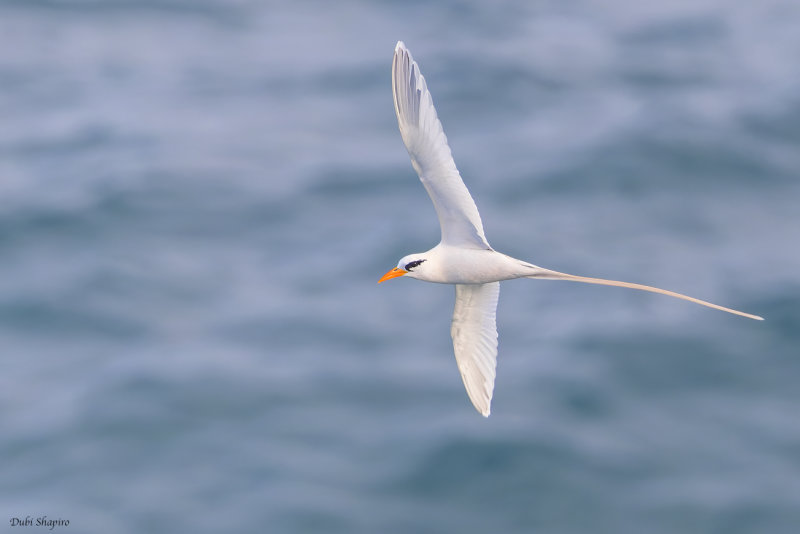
(197,198)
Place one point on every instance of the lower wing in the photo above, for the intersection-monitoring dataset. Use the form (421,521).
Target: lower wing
(474,333)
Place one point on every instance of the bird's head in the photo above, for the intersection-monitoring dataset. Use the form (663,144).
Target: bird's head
(412,266)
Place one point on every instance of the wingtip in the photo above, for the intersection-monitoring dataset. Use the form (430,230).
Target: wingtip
(483,407)
(400,46)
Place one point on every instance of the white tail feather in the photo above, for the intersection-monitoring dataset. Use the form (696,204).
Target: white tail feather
(547,274)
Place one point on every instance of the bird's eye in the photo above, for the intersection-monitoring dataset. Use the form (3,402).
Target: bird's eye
(410,265)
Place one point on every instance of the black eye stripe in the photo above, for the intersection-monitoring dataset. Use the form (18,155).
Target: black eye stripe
(410,265)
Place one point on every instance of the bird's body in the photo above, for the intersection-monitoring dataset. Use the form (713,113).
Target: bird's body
(464,257)
(457,265)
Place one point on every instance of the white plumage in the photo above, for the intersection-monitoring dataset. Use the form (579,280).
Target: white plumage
(430,154)
(464,257)
(474,335)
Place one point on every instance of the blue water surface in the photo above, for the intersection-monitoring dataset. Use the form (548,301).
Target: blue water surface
(197,198)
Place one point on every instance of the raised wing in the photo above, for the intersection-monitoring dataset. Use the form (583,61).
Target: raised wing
(430,155)
(474,333)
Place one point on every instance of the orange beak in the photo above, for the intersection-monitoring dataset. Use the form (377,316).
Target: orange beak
(394,273)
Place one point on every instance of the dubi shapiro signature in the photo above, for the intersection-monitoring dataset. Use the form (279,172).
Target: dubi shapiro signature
(42,521)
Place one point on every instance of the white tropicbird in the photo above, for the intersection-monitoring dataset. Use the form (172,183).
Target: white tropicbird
(463,257)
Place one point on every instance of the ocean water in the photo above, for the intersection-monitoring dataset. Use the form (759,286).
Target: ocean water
(197,198)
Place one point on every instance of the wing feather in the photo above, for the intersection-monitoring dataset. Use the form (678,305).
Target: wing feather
(474,333)
(430,154)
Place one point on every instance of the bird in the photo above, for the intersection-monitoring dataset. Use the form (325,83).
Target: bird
(463,257)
